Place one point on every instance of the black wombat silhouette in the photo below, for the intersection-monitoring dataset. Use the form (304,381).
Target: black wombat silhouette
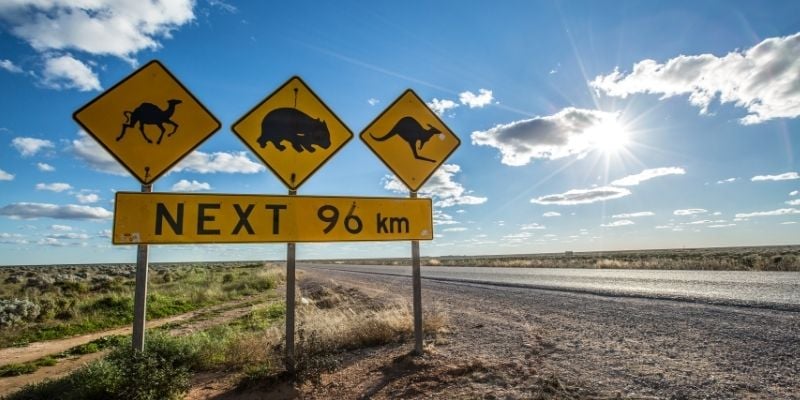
(412,132)
(296,127)
(150,114)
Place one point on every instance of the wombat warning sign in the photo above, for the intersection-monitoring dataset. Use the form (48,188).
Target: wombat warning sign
(293,132)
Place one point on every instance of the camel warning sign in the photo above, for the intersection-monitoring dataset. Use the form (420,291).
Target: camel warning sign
(148,121)
(410,139)
(293,132)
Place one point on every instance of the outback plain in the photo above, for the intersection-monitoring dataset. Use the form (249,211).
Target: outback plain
(216,331)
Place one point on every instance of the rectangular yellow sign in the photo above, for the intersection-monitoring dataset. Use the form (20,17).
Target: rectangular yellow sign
(173,218)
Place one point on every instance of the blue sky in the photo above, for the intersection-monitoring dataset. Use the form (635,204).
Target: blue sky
(584,125)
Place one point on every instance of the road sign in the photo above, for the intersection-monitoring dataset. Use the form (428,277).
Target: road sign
(165,218)
(148,121)
(410,139)
(293,132)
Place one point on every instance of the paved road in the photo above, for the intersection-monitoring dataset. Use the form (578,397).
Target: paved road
(777,290)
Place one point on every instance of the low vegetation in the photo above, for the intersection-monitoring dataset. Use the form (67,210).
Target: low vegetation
(329,321)
(43,303)
(776,258)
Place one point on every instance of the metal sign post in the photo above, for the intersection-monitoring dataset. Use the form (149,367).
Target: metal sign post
(140,296)
(413,142)
(417,289)
(290,285)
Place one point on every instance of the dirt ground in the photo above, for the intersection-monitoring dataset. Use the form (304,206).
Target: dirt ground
(513,343)
(183,323)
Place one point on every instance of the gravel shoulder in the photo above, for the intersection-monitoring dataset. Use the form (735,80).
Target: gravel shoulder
(515,341)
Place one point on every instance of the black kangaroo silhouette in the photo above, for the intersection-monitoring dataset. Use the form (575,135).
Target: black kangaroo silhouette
(412,132)
(150,114)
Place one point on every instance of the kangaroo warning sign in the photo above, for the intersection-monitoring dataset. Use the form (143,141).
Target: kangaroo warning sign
(410,139)
(171,218)
(293,132)
(149,121)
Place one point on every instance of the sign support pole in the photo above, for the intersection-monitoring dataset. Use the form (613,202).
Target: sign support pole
(417,289)
(290,306)
(140,296)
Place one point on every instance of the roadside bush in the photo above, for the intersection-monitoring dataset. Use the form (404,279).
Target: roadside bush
(17,312)
(151,374)
(161,372)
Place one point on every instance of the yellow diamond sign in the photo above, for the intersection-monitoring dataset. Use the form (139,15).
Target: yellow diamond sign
(410,139)
(293,132)
(149,121)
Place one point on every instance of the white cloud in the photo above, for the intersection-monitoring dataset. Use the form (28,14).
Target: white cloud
(186,186)
(373,101)
(723,181)
(483,98)
(788,223)
(786,176)
(721,225)
(455,229)
(532,226)
(517,237)
(795,202)
(633,180)
(690,211)
(96,157)
(30,146)
(440,186)
(57,187)
(440,107)
(9,66)
(634,215)
(794,192)
(551,214)
(230,8)
(61,228)
(583,196)
(222,162)
(51,242)
(71,235)
(45,210)
(87,198)
(615,224)
(570,131)
(118,28)
(105,233)
(5,176)
(66,72)
(704,222)
(761,79)
(440,218)
(44,167)
(773,213)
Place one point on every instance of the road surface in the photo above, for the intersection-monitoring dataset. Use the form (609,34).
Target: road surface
(779,290)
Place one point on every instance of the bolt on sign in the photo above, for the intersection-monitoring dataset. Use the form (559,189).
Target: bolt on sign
(293,132)
(148,121)
(410,139)
(170,218)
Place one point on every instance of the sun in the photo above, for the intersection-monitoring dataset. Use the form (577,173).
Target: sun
(609,136)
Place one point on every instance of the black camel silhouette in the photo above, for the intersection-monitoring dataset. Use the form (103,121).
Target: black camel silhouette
(150,114)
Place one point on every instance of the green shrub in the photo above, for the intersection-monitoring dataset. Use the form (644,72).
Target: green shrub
(148,375)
